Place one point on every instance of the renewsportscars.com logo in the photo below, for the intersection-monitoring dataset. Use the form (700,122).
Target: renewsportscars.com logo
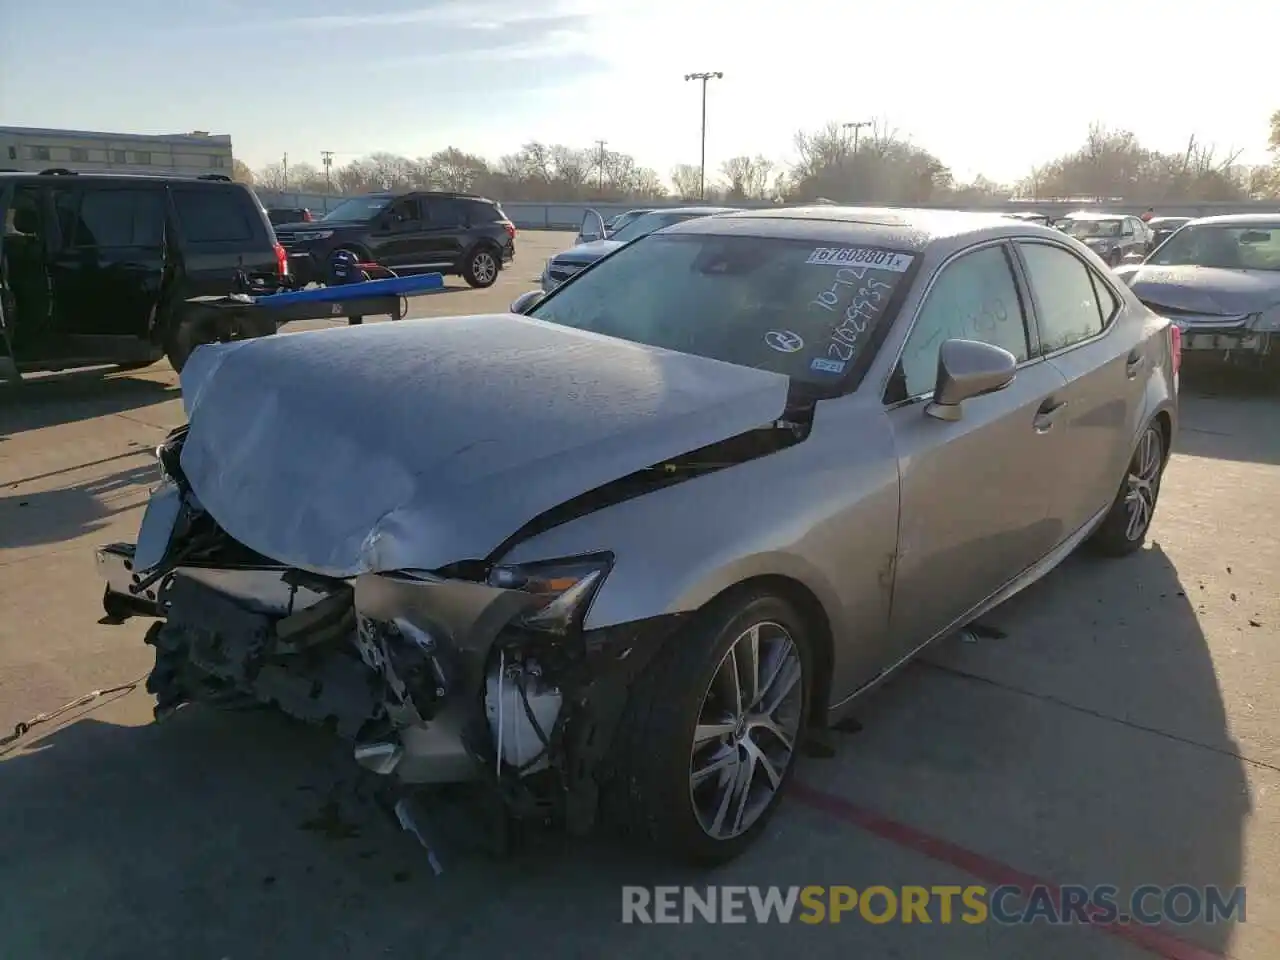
(1068,904)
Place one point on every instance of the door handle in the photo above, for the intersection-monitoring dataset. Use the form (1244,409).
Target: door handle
(1134,364)
(1047,414)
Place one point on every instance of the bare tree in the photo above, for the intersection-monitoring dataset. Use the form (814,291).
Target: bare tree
(271,177)
(240,172)
(686,177)
(886,168)
(452,169)
(748,178)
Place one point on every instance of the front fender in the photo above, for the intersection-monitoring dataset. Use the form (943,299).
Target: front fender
(825,506)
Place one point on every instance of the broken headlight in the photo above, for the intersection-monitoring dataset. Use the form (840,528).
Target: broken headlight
(566,588)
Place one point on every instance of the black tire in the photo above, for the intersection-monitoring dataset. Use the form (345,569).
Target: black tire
(187,334)
(1115,537)
(650,798)
(482,267)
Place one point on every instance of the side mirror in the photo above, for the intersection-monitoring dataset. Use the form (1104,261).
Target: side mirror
(526,301)
(968,369)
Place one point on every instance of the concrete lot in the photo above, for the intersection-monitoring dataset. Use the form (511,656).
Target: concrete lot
(1124,730)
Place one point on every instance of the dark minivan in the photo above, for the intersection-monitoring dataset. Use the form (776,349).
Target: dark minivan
(417,232)
(95,268)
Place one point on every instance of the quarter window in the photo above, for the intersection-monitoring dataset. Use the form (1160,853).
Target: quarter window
(212,216)
(974,298)
(1067,304)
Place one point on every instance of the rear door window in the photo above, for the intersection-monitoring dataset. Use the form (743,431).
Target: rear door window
(109,217)
(212,216)
(1067,304)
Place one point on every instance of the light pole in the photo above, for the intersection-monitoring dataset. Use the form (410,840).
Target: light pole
(702,175)
(855,127)
(600,144)
(326,160)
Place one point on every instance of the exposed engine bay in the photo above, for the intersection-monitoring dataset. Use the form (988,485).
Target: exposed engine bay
(479,672)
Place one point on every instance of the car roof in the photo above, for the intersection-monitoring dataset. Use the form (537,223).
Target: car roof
(903,228)
(1096,215)
(1158,220)
(75,177)
(1241,219)
(706,211)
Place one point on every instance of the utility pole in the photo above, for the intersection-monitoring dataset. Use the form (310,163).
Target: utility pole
(285,171)
(601,144)
(704,77)
(855,127)
(326,161)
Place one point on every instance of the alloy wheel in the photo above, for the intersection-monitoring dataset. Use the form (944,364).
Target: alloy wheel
(484,267)
(1143,484)
(746,731)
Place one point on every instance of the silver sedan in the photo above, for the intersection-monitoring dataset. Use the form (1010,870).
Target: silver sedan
(616,553)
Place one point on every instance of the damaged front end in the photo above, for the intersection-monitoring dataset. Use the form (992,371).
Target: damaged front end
(479,673)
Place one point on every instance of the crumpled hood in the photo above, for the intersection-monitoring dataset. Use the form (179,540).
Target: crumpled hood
(588,252)
(416,444)
(1205,290)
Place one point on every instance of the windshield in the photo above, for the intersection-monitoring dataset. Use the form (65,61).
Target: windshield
(358,208)
(1082,229)
(1255,247)
(789,306)
(647,223)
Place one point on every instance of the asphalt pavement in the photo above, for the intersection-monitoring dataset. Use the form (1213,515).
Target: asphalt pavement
(1118,723)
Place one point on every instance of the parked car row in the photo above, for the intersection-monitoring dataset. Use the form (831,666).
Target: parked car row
(95,269)
(98,269)
(613,556)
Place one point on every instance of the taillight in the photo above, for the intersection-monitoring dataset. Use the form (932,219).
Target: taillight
(282,261)
(1175,345)
(510,228)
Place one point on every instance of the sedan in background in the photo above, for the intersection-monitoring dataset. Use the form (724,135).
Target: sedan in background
(1218,279)
(1030,217)
(1111,236)
(656,525)
(1162,228)
(616,223)
(594,244)
(282,215)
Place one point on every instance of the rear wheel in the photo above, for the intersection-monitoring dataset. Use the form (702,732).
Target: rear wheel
(709,739)
(191,332)
(481,268)
(1125,528)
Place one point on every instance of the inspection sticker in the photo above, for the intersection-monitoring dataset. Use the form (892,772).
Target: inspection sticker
(861,257)
(823,365)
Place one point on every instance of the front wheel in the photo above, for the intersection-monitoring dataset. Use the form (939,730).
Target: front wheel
(481,268)
(711,731)
(1125,528)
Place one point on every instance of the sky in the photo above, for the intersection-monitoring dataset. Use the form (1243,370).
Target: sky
(988,86)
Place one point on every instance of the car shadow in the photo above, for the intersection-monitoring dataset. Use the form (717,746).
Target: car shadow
(46,401)
(1080,736)
(1228,417)
(54,516)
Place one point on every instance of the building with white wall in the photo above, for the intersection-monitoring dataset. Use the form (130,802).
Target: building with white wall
(86,151)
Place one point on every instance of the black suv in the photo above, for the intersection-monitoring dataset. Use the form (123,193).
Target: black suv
(417,232)
(95,268)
